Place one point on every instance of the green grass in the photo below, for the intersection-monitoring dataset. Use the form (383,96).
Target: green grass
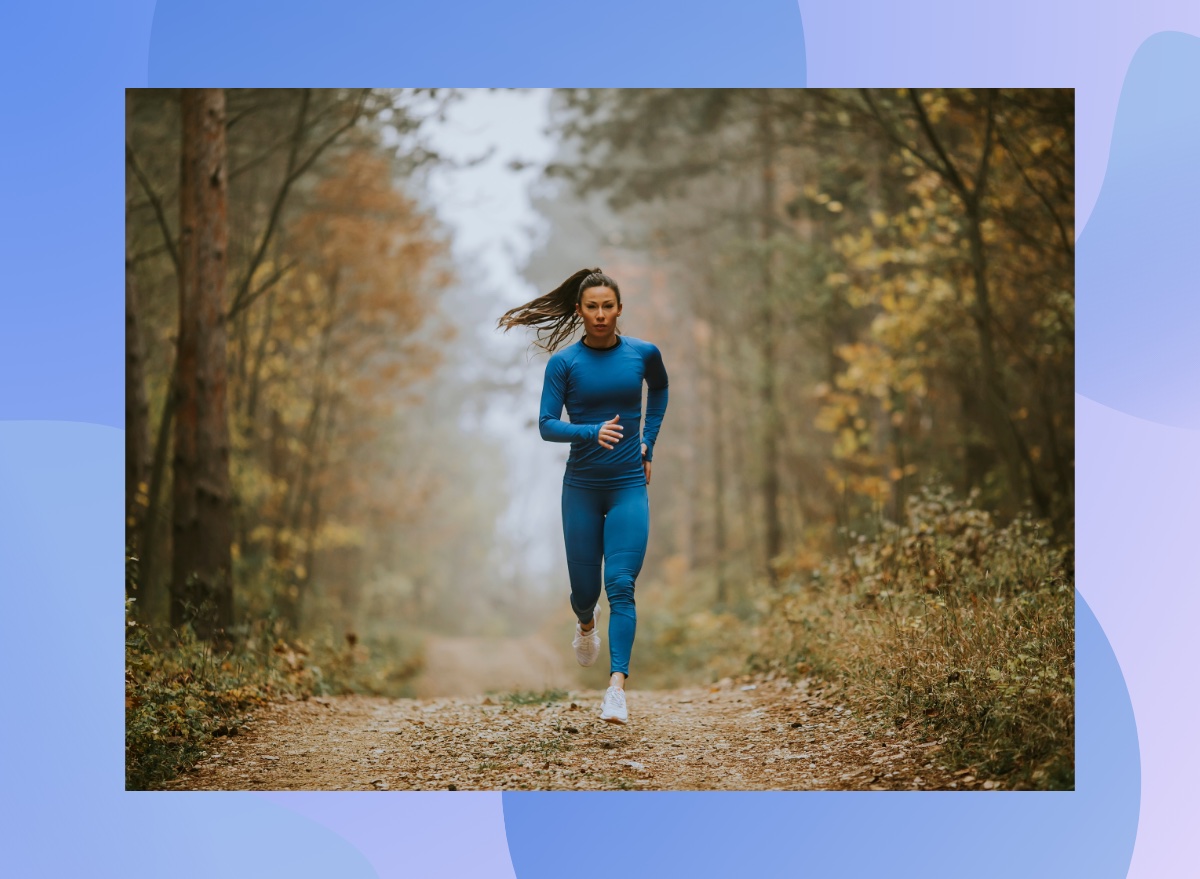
(533,697)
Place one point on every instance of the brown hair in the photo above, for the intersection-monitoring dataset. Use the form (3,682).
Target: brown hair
(554,314)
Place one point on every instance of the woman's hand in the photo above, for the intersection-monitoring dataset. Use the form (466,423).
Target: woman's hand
(645,464)
(611,432)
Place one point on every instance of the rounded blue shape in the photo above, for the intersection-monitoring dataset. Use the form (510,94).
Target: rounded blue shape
(1087,832)
(1138,325)
(66,809)
(618,43)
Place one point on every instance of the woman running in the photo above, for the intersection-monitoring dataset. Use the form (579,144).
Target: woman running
(605,502)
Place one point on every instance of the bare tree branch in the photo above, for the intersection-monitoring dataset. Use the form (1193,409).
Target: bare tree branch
(294,171)
(270,150)
(155,202)
(139,258)
(1067,243)
(897,139)
(262,288)
(243,289)
(950,172)
(981,173)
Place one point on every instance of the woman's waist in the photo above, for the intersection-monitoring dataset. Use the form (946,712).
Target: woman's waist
(626,452)
(603,476)
(603,468)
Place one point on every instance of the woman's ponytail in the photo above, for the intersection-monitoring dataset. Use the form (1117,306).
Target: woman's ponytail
(554,314)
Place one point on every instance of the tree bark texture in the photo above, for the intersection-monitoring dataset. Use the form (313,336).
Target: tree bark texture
(201,576)
(137,410)
(770,404)
(137,416)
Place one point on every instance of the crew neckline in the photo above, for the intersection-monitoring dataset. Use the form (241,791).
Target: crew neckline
(619,343)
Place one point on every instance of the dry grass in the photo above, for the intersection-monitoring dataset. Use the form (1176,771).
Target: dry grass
(181,693)
(950,623)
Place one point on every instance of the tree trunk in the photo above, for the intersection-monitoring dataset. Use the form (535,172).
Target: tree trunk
(1005,435)
(1064,482)
(137,416)
(770,439)
(201,581)
(315,511)
(154,538)
(720,541)
(260,353)
(137,410)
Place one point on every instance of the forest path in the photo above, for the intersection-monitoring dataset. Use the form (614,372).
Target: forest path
(466,665)
(748,734)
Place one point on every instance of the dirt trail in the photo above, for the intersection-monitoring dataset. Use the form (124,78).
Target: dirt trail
(466,666)
(745,734)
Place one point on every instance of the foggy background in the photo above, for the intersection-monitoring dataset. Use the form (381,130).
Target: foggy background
(855,293)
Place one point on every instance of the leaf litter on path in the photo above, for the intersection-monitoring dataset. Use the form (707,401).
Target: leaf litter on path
(773,736)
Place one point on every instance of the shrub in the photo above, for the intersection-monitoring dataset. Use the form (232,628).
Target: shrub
(180,692)
(952,623)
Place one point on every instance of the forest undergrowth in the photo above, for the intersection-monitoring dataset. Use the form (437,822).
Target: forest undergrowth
(949,623)
(947,626)
(181,692)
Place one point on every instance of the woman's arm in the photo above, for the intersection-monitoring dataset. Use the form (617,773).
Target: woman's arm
(656,399)
(554,393)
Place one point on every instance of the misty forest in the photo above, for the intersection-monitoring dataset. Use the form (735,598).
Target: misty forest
(863,490)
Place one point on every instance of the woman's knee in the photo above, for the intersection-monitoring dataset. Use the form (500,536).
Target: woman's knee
(620,591)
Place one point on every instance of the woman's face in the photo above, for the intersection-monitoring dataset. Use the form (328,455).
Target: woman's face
(599,309)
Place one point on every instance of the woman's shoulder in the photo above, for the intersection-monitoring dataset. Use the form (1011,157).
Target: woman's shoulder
(642,346)
(563,356)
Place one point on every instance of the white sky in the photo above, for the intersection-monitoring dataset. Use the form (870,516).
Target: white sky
(495,228)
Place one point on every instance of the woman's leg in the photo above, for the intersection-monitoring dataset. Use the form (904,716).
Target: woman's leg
(626,531)
(583,533)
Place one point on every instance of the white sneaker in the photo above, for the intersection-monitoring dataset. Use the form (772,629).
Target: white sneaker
(613,708)
(587,645)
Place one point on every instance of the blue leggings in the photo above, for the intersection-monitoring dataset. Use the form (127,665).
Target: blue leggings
(613,524)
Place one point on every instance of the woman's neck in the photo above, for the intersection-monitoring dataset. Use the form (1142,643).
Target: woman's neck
(616,340)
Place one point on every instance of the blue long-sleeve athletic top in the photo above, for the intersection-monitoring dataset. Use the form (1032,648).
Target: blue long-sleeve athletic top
(595,384)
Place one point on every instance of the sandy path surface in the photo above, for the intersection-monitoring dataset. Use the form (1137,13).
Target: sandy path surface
(744,734)
(466,666)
